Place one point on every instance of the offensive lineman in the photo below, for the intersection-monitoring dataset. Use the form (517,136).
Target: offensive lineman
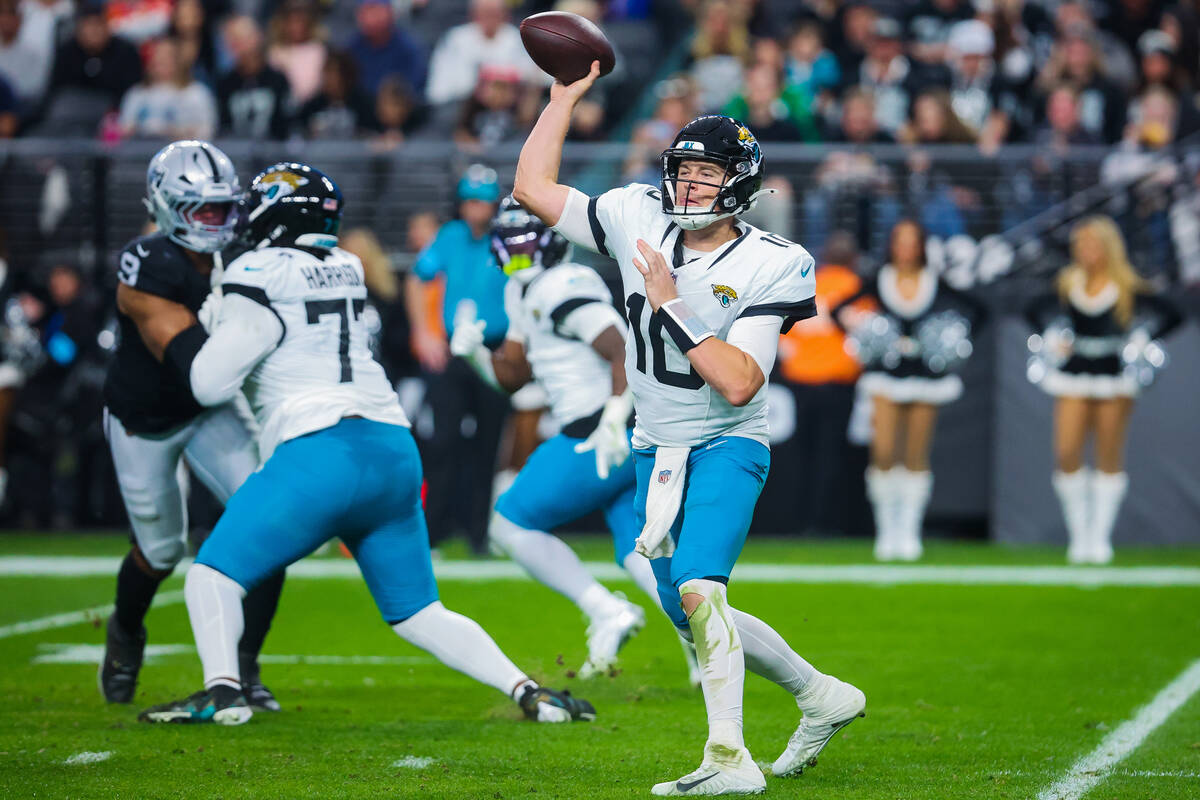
(151,419)
(697,362)
(339,457)
(564,333)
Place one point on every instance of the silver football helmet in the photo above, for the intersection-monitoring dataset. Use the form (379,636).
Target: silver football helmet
(192,192)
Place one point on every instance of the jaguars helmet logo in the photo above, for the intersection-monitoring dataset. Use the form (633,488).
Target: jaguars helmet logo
(747,140)
(278,184)
(724,294)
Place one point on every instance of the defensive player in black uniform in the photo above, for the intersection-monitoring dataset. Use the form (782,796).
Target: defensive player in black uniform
(151,419)
(1100,311)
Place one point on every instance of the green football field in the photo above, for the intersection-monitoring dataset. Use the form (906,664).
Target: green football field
(989,673)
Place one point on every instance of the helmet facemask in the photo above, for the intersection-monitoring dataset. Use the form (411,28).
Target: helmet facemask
(732,148)
(523,246)
(192,193)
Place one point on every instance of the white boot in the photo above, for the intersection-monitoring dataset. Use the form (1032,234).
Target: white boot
(1108,492)
(883,491)
(914,489)
(1074,493)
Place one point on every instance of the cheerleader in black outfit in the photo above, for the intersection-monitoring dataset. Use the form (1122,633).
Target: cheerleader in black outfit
(1101,308)
(906,386)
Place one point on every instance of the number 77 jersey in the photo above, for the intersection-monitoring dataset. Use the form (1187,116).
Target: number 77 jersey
(322,368)
(757,275)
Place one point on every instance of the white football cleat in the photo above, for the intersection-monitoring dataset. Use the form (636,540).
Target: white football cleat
(835,704)
(608,634)
(723,771)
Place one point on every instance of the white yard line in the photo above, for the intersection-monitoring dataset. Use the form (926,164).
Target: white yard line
(74,653)
(70,618)
(1128,736)
(872,574)
(88,757)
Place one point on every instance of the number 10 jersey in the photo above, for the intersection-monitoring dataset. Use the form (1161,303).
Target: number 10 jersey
(322,368)
(757,274)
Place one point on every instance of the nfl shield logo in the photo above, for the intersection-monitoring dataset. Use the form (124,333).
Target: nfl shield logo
(664,476)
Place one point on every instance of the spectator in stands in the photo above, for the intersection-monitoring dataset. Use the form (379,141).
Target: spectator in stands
(858,123)
(1073,18)
(488,39)
(851,32)
(935,122)
(810,66)
(1062,128)
(296,47)
(191,28)
(826,483)
(1127,20)
(23,64)
(1145,168)
(94,61)
(500,110)
(171,103)
(340,110)
(928,26)
(1024,35)
(1159,68)
(8,110)
(676,107)
(1182,24)
(719,50)
(397,113)
(979,94)
(774,113)
(139,21)
(381,49)
(1077,62)
(43,26)
(894,79)
(252,96)
(460,458)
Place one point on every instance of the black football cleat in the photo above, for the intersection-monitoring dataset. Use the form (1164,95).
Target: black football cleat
(258,695)
(550,705)
(223,705)
(123,656)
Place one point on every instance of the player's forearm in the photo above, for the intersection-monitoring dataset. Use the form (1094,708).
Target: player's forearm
(728,369)
(225,359)
(509,377)
(536,185)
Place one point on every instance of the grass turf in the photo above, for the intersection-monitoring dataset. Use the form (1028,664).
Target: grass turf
(973,691)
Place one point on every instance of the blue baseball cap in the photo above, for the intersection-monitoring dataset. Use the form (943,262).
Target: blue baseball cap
(479,182)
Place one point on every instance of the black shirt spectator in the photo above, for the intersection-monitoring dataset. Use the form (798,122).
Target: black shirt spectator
(96,60)
(252,97)
(928,27)
(892,76)
(858,124)
(340,109)
(1077,62)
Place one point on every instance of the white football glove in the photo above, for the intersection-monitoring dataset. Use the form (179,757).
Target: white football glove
(610,440)
(210,311)
(467,338)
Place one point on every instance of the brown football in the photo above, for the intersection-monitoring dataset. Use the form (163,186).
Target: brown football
(565,45)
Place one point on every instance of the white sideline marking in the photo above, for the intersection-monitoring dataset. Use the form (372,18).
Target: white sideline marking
(69,653)
(413,762)
(88,757)
(1128,736)
(873,574)
(76,617)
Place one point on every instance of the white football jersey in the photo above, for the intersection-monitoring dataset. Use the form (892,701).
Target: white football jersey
(757,274)
(322,369)
(556,317)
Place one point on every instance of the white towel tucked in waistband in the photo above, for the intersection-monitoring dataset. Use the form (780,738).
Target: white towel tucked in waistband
(663,498)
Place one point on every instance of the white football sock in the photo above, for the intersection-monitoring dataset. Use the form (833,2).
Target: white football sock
(768,655)
(722,666)
(214,603)
(638,567)
(1073,490)
(1108,492)
(459,643)
(552,563)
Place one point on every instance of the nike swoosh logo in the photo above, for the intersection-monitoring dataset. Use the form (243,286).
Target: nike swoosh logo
(684,787)
(804,272)
(252,269)
(715,444)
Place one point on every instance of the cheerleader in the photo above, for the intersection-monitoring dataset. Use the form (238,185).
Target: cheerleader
(1101,317)
(908,347)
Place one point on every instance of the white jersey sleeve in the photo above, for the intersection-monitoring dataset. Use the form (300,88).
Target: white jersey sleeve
(561,312)
(322,369)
